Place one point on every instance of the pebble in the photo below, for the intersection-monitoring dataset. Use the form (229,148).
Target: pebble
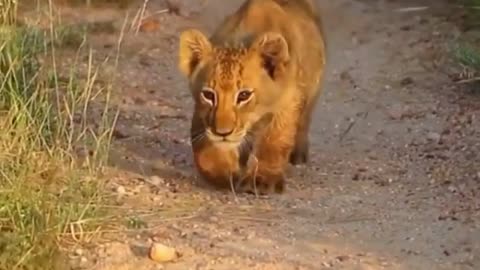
(327,264)
(342,258)
(162,253)
(397,112)
(79,252)
(155,180)
(157,199)
(121,190)
(433,136)
(406,81)
(83,262)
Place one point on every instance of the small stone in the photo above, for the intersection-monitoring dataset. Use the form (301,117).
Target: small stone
(342,258)
(79,252)
(397,112)
(121,190)
(345,76)
(433,136)
(327,264)
(162,253)
(155,180)
(251,235)
(406,81)
(83,262)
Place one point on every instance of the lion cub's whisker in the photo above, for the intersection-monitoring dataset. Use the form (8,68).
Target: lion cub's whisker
(198,137)
(233,188)
(255,176)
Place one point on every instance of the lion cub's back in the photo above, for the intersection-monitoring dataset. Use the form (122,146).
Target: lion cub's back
(297,20)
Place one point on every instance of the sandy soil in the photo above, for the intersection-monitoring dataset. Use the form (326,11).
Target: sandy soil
(394,181)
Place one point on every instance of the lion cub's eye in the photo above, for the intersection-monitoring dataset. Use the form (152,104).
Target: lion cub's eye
(243,96)
(209,96)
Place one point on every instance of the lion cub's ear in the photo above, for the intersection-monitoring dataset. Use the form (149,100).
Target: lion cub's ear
(273,50)
(194,47)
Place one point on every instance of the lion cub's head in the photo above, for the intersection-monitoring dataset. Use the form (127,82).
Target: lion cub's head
(233,86)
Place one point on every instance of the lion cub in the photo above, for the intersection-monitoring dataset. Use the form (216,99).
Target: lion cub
(255,83)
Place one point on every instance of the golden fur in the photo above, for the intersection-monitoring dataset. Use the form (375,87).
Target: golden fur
(255,82)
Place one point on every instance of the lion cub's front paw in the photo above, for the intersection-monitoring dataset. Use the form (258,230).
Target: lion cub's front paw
(262,184)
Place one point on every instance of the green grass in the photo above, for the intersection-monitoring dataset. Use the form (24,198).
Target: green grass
(49,195)
(466,49)
(468,55)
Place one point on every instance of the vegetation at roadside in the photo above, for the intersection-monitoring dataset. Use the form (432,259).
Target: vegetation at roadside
(50,194)
(117,3)
(467,50)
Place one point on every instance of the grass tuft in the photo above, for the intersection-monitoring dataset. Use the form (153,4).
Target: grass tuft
(468,55)
(466,50)
(47,191)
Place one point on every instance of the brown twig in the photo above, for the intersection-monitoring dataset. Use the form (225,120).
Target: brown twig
(412,9)
(166,10)
(474,79)
(350,126)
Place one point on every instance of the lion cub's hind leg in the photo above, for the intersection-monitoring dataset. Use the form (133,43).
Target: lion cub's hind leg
(300,153)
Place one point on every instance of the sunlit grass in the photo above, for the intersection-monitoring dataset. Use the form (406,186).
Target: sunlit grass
(47,190)
(466,48)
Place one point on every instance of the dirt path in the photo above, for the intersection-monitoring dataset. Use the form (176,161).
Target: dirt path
(394,179)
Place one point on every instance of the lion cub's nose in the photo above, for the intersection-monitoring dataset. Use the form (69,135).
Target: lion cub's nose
(224,131)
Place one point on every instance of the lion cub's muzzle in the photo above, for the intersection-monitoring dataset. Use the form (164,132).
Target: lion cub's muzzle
(223,132)
(226,136)
(223,127)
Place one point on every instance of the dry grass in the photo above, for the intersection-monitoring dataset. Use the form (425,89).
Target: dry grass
(46,191)
(97,3)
